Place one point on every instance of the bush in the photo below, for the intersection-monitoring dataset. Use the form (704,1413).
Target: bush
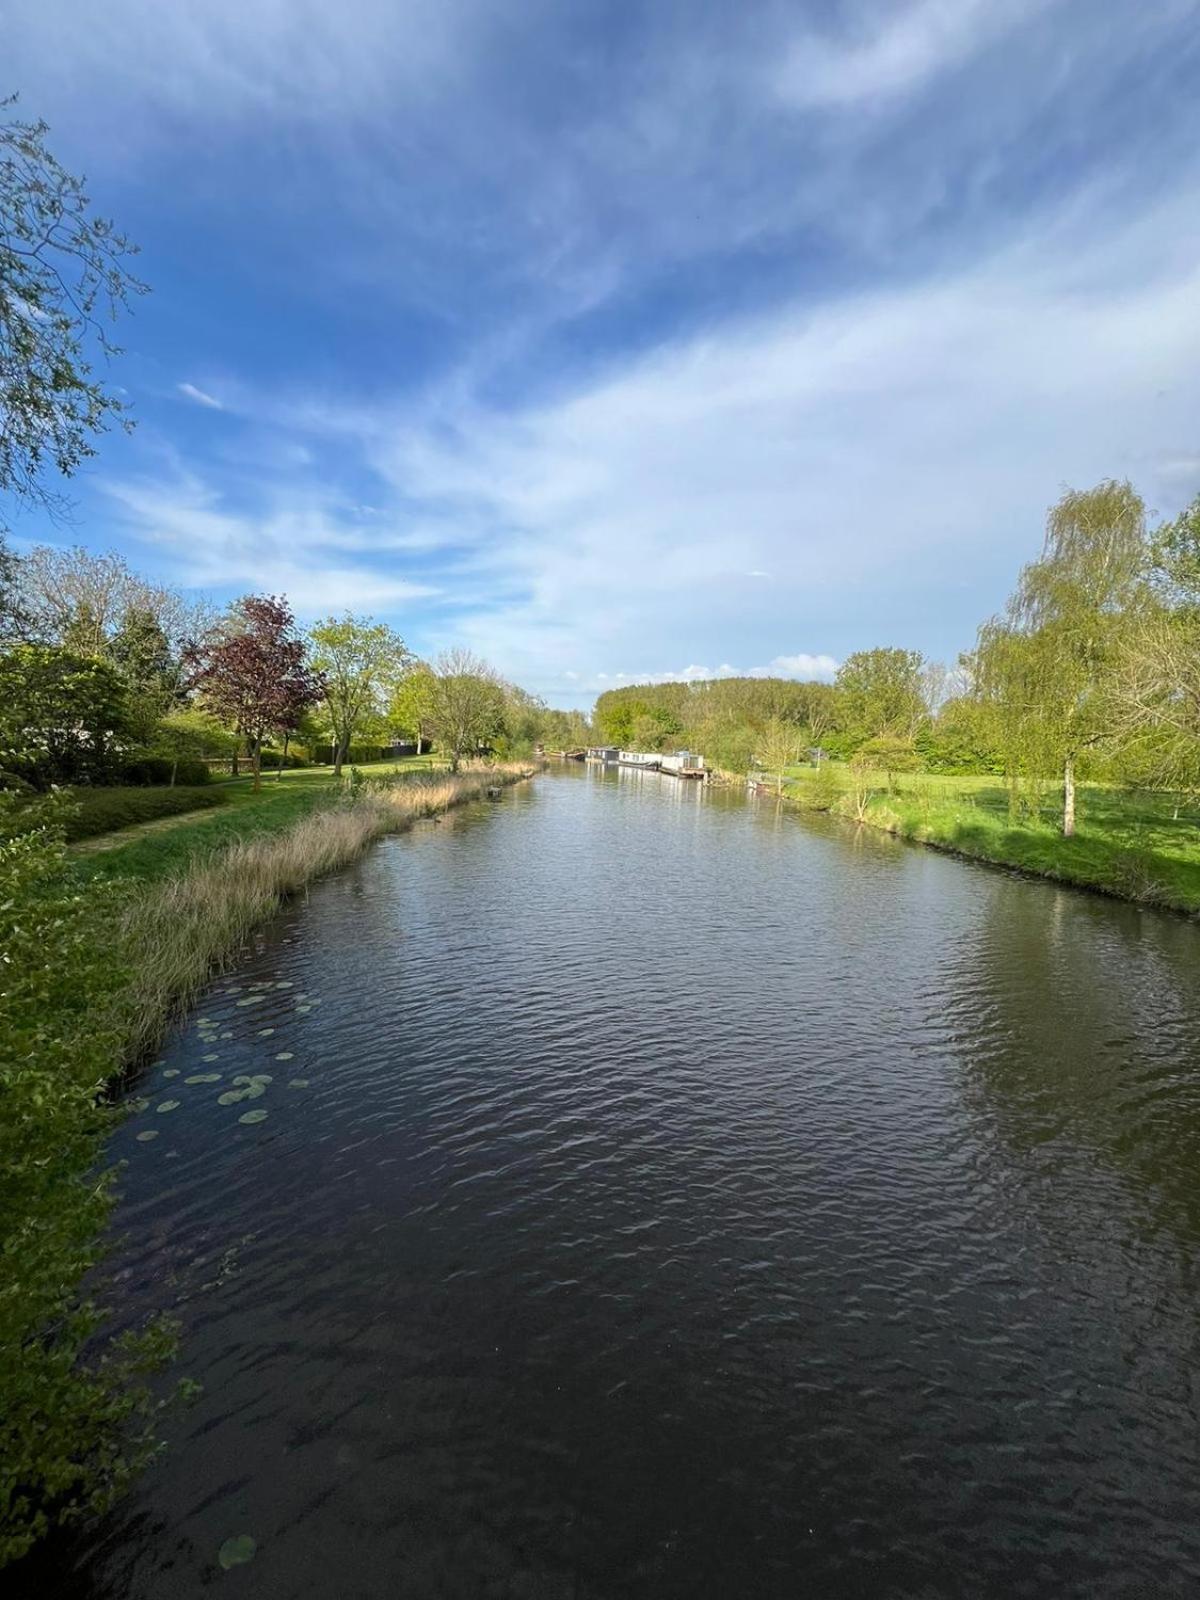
(75,1414)
(150,769)
(97,811)
(823,790)
(357,755)
(146,770)
(293,761)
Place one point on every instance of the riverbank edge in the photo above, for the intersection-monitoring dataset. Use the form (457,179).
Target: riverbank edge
(77,1412)
(1139,887)
(182,931)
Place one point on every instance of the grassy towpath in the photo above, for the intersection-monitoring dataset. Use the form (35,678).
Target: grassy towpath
(147,851)
(1141,846)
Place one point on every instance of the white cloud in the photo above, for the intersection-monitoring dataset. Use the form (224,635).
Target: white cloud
(295,546)
(190,391)
(868,453)
(895,51)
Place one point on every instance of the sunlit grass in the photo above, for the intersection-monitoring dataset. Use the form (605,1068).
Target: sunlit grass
(1142,846)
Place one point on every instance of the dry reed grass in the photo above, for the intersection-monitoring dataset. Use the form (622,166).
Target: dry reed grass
(177,934)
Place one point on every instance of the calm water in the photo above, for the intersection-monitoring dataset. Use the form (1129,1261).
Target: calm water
(677,1199)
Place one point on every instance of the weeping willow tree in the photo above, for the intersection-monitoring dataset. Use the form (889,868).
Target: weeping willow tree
(1158,679)
(1048,665)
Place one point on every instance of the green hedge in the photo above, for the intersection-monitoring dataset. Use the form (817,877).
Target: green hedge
(358,755)
(149,770)
(98,810)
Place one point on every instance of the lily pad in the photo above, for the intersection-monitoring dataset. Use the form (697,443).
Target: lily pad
(171,1072)
(204,1077)
(147,1134)
(286,984)
(251,1000)
(284,1055)
(139,1104)
(232,1096)
(237,1551)
(300,1010)
(298,1083)
(167,1105)
(253,1116)
(265,1033)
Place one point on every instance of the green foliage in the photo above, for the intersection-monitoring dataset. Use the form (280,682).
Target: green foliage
(880,692)
(60,715)
(1049,665)
(361,663)
(75,1415)
(889,753)
(467,704)
(1175,557)
(63,276)
(96,811)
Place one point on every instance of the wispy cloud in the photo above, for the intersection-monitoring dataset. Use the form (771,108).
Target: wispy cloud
(190,392)
(893,51)
(703,338)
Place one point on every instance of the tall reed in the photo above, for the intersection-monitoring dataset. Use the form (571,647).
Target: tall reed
(175,935)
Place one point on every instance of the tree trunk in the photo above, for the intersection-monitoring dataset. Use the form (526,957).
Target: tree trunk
(419,741)
(174,770)
(256,752)
(1068,822)
(286,739)
(340,750)
(233,765)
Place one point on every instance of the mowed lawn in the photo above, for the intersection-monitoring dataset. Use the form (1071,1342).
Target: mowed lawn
(168,845)
(1141,845)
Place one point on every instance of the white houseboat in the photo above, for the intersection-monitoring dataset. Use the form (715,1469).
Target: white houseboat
(647,760)
(682,764)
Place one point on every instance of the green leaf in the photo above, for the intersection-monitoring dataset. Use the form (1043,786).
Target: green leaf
(237,1551)
(167,1105)
(253,1116)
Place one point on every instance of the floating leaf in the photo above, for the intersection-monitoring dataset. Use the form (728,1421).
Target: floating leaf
(139,1104)
(297,1083)
(286,984)
(228,1035)
(300,1010)
(147,1134)
(265,1033)
(204,1077)
(171,1072)
(232,1096)
(252,1000)
(213,1055)
(167,1105)
(284,1055)
(237,1551)
(253,1116)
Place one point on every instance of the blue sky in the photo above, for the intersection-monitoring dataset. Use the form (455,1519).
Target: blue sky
(619,340)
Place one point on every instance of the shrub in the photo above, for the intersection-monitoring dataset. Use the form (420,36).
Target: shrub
(146,770)
(96,811)
(823,790)
(75,1416)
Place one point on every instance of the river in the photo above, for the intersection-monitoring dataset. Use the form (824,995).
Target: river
(661,1196)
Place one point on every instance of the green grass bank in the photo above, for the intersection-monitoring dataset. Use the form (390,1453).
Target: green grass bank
(103,944)
(1143,847)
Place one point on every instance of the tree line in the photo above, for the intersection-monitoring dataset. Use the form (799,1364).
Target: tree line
(107,677)
(1090,671)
